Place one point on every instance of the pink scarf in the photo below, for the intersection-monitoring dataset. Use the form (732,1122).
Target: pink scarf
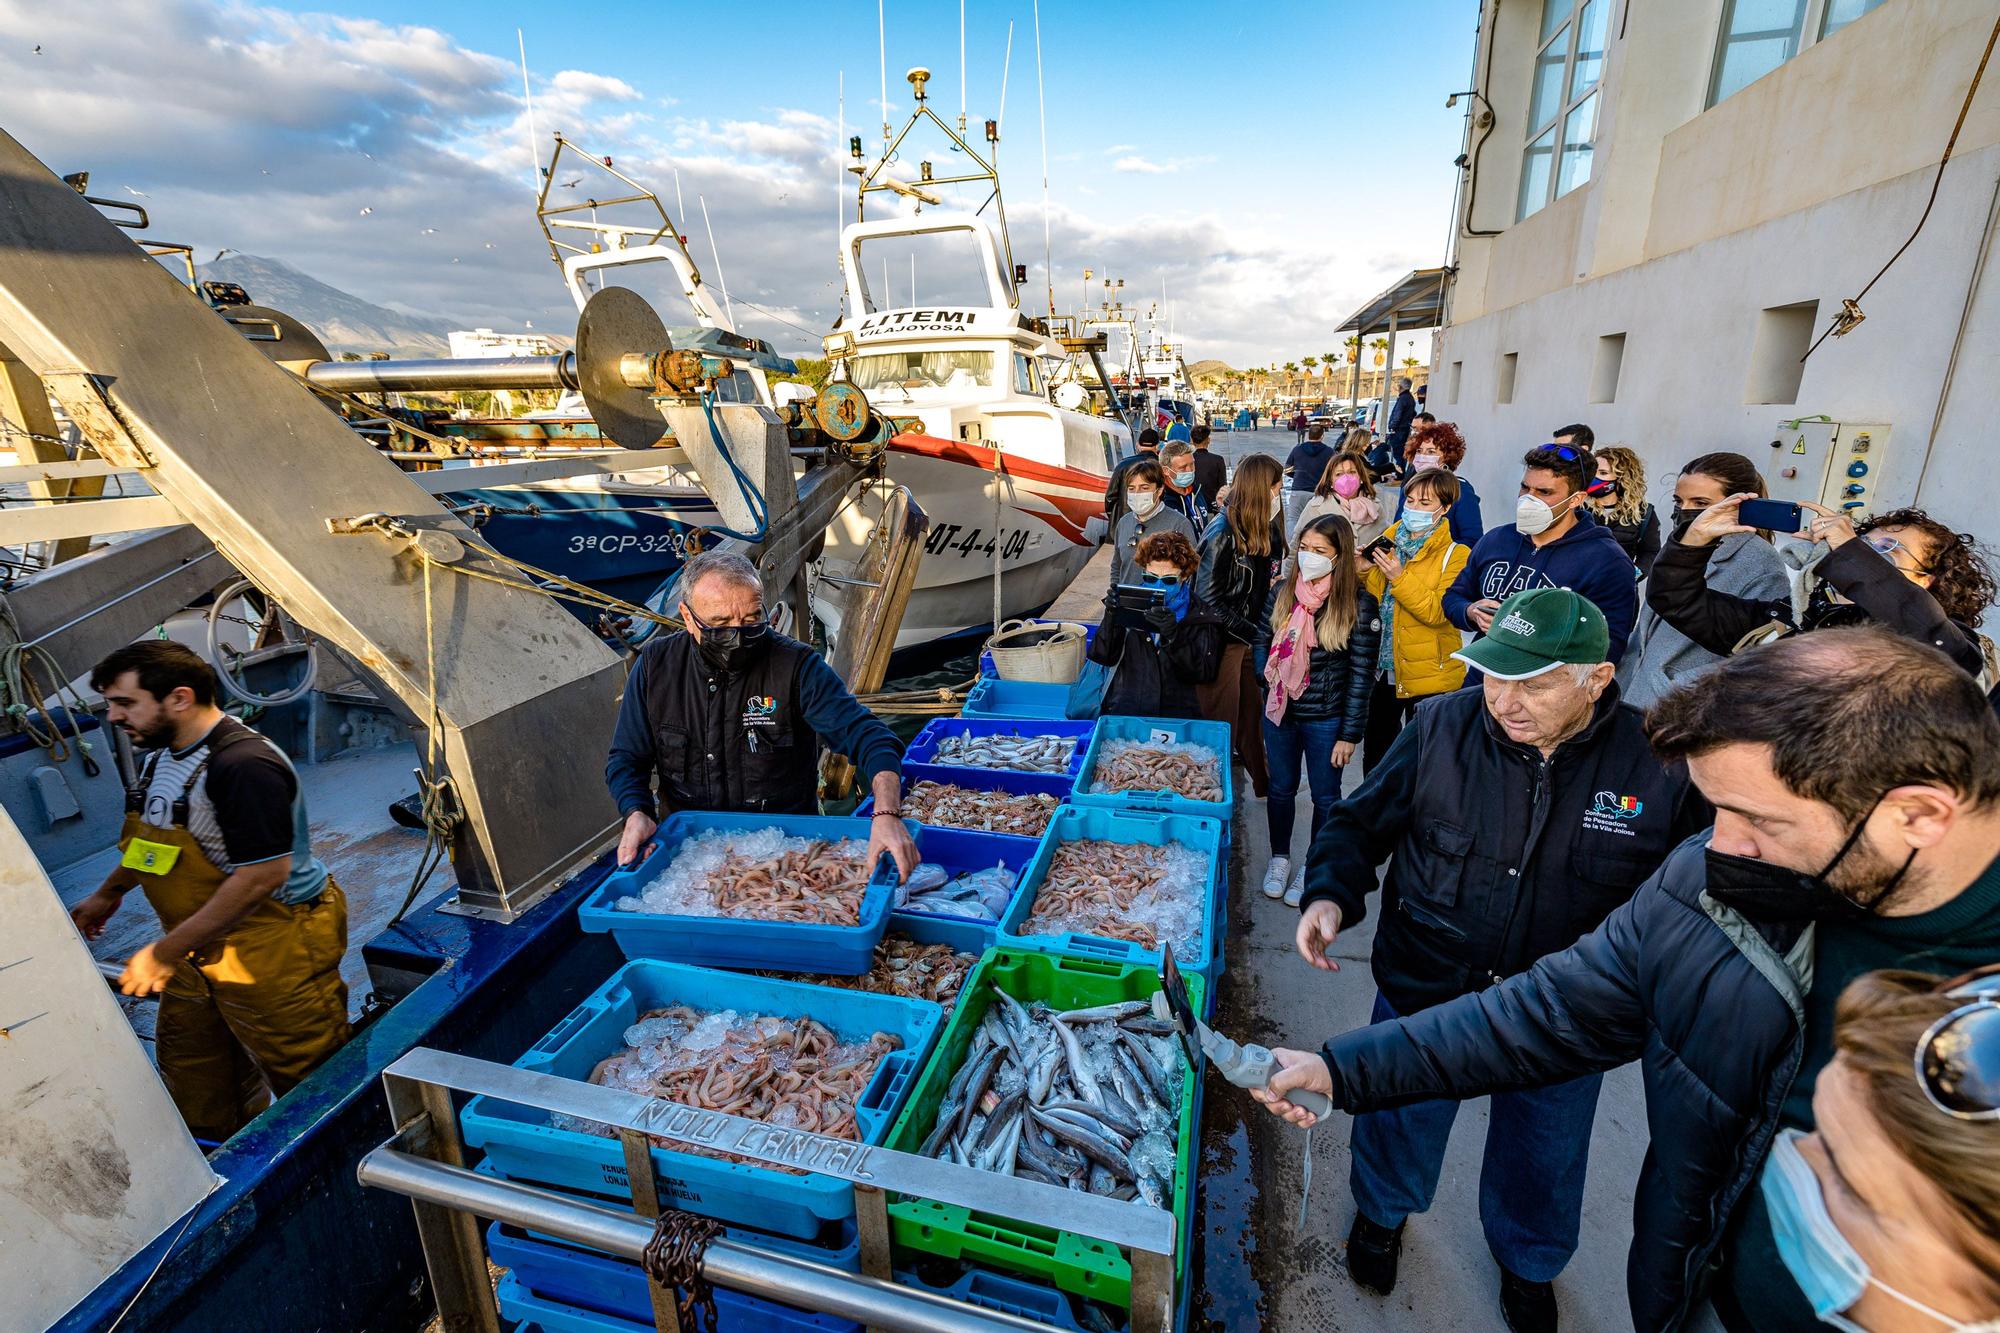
(1290,664)
(1360,511)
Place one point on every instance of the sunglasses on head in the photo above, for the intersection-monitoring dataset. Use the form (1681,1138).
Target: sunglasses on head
(1958,1057)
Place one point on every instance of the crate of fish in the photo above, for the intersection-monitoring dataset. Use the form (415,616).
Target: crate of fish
(963,888)
(1158,763)
(1085,1085)
(987,667)
(793,1055)
(727,890)
(568,1280)
(990,801)
(914,962)
(994,697)
(1118,884)
(987,745)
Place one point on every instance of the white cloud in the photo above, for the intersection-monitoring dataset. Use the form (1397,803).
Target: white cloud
(1143,165)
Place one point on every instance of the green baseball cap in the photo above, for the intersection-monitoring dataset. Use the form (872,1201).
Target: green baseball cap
(1537,631)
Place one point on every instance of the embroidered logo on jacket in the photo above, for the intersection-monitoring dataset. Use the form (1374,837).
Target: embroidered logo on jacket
(1610,812)
(760,710)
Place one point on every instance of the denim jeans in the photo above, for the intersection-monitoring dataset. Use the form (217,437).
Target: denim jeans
(1288,746)
(1530,1184)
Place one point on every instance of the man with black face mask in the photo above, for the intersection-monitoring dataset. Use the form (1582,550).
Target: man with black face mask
(730,715)
(1856,780)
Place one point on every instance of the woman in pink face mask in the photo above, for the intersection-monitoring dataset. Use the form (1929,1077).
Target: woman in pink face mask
(1347,489)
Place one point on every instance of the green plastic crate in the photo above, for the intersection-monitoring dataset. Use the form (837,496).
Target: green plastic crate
(1070,1262)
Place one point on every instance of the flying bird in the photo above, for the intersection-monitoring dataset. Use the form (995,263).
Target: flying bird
(138,193)
(571,185)
(225,250)
(38,50)
(430,231)
(489,245)
(366,211)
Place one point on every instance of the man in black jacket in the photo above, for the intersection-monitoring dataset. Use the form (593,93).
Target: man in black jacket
(1515,817)
(1856,780)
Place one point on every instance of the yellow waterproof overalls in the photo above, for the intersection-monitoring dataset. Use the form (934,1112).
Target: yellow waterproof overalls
(247,1017)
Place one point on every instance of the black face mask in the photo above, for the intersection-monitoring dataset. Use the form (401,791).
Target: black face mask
(1768,892)
(1683,517)
(731,648)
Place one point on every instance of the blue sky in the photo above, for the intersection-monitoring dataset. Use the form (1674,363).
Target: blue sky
(1274,172)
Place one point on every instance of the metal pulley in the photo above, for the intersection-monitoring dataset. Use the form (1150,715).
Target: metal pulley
(841,410)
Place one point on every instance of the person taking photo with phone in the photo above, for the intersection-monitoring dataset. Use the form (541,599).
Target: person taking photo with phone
(1418,657)
(1902,570)
(1158,663)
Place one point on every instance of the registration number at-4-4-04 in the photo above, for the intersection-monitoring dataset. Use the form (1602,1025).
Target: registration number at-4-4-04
(956,538)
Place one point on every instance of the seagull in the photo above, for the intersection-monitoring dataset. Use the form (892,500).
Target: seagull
(430,231)
(489,245)
(225,250)
(571,185)
(38,50)
(137,193)
(366,211)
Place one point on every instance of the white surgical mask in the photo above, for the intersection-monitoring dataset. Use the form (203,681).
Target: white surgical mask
(1532,515)
(1419,520)
(1277,505)
(1142,503)
(1313,565)
(1423,461)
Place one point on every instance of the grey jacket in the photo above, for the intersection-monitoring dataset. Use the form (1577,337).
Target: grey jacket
(1660,656)
(1130,532)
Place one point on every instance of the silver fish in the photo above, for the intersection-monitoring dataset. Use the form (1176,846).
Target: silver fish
(1105,1013)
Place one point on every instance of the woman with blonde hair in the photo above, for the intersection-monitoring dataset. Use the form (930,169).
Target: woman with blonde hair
(1887,1214)
(1619,499)
(1316,652)
(1241,550)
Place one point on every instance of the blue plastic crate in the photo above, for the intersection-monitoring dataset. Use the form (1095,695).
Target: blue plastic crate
(717,941)
(959,850)
(1058,785)
(986,667)
(1116,727)
(1003,1292)
(522,1145)
(1076,823)
(556,1273)
(993,697)
(734,1313)
(923,750)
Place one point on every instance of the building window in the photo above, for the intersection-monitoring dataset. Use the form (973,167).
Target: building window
(1457,380)
(1562,107)
(1757,36)
(1777,361)
(1609,365)
(1510,364)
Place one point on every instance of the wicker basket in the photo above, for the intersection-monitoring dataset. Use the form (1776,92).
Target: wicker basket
(1051,653)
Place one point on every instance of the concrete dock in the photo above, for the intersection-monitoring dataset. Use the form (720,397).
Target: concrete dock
(1258,1267)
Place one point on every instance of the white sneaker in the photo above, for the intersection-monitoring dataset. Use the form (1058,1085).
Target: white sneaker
(1275,875)
(1297,889)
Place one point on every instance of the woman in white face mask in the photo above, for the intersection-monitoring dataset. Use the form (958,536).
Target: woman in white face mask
(1887,1215)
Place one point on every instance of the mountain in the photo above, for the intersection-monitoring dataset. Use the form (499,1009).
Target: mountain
(1206,372)
(344,322)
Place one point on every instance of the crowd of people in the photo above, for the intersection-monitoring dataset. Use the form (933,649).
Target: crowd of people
(1624,798)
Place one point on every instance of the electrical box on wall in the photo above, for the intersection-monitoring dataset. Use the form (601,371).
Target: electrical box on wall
(1838,464)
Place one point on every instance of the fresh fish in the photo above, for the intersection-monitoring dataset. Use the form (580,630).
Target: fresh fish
(1043,1079)
(1102,1181)
(1086,1141)
(1106,1013)
(1079,1071)
(1003,1114)
(1148,1072)
(1095,1117)
(1149,1027)
(1018,1021)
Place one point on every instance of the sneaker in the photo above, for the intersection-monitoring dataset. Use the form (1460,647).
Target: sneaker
(1297,890)
(1372,1253)
(1275,875)
(1528,1307)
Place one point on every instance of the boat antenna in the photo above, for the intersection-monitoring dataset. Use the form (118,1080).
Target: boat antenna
(882,50)
(527,93)
(1048,266)
(716,254)
(961,66)
(839,212)
(1006,64)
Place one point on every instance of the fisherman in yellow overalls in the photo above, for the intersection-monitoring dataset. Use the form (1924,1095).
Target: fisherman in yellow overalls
(248,970)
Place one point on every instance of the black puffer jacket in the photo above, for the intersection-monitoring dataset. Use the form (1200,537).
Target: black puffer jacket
(1710,1005)
(1154,675)
(1496,855)
(1339,681)
(1233,581)
(1877,590)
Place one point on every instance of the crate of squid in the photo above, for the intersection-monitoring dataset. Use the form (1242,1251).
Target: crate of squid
(1118,884)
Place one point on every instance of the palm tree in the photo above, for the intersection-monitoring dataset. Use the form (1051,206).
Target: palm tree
(1311,364)
(1410,362)
(1353,346)
(1379,346)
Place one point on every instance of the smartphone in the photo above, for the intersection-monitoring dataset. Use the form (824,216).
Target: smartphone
(1772,515)
(1381,545)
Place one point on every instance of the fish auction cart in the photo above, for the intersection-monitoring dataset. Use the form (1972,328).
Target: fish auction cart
(350,1203)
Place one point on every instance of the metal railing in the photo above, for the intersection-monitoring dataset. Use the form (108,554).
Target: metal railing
(425,1162)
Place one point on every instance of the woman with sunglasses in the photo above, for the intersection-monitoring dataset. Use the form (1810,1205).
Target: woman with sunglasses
(1902,570)
(1887,1215)
(1156,668)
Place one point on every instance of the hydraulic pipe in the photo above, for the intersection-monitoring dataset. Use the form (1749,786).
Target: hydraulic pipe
(739,1267)
(446,374)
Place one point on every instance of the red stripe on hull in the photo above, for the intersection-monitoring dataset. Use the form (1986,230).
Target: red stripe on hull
(1070,512)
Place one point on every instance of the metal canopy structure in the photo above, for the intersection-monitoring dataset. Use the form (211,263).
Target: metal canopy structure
(1413,301)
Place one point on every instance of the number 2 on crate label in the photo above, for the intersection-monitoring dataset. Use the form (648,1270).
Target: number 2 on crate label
(1161,736)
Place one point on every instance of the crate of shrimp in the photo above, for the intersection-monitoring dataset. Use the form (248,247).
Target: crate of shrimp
(1002,745)
(790,1054)
(1053,1069)
(1158,763)
(1118,884)
(724,890)
(1019,805)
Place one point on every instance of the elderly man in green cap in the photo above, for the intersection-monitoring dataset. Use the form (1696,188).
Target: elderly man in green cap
(1514,816)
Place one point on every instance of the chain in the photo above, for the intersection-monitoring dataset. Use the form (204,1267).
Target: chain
(673,1258)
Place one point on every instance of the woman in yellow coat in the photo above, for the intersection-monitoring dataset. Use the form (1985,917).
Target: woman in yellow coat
(1410,582)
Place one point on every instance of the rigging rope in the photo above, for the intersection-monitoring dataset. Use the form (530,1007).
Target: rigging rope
(26,699)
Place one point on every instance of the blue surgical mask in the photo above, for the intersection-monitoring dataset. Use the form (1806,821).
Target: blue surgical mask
(1830,1274)
(1183,479)
(1419,520)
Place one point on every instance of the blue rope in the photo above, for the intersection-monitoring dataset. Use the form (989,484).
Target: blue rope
(752,497)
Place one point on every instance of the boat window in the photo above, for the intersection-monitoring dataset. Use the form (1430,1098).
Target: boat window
(1027,379)
(920,372)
